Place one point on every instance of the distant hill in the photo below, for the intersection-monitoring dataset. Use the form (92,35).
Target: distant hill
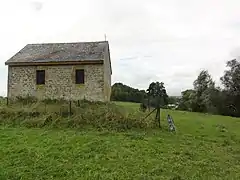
(122,92)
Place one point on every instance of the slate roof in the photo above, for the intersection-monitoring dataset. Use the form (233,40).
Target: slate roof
(59,52)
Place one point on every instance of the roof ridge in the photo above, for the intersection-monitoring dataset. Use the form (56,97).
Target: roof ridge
(76,42)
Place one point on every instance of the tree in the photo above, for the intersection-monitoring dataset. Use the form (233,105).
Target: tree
(188,100)
(158,92)
(231,82)
(205,97)
(202,86)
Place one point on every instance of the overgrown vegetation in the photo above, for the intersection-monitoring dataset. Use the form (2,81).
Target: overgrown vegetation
(80,114)
(3,101)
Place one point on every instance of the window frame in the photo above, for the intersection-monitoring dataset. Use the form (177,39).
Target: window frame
(40,81)
(81,80)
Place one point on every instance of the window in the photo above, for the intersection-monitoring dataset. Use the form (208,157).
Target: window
(79,76)
(40,79)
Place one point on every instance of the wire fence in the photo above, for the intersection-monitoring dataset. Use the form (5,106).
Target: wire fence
(61,107)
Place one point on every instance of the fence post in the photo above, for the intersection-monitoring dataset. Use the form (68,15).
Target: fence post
(70,108)
(45,107)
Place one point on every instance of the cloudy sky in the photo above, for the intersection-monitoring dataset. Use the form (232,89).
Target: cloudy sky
(150,40)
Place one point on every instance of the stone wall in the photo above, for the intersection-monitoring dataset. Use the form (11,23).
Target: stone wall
(107,77)
(59,82)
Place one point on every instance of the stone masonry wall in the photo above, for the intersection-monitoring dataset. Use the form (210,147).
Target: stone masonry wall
(59,82)
(107,77)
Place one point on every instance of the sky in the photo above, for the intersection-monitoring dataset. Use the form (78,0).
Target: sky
(150,40)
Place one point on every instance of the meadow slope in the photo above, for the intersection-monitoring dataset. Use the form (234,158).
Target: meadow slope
(204,147)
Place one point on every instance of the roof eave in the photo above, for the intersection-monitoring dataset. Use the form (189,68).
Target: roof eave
(56,63)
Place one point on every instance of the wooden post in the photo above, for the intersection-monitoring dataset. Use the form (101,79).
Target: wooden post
(78,103)
(156,114)
(60,111)
(70,108)
(148,103)
(158,118)
(45,107)
(158,111)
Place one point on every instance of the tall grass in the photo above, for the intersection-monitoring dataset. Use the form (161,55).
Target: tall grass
(83,114)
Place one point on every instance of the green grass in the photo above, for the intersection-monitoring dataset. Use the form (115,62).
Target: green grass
(204,147)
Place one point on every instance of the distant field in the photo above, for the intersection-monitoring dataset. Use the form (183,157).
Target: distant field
(204,147)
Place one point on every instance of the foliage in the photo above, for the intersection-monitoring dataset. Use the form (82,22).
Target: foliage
(231,82)
(3,100)
(143,107)
(204,97)
(25,100)
(207,98)
(157,92)
(121,92)
(205,147)
(94,114)
(173,100)
(187,100)
(203,86)
(124,93)
(159,96)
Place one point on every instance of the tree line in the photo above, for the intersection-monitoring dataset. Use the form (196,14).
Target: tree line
(208,98)
(122,92)
(204,97)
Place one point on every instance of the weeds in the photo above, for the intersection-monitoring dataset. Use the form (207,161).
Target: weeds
(52,113)
(25,100)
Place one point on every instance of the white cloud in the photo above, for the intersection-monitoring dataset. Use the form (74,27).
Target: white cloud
(169,41)
(37,5)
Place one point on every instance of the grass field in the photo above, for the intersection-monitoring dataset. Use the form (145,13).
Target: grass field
(204,147)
